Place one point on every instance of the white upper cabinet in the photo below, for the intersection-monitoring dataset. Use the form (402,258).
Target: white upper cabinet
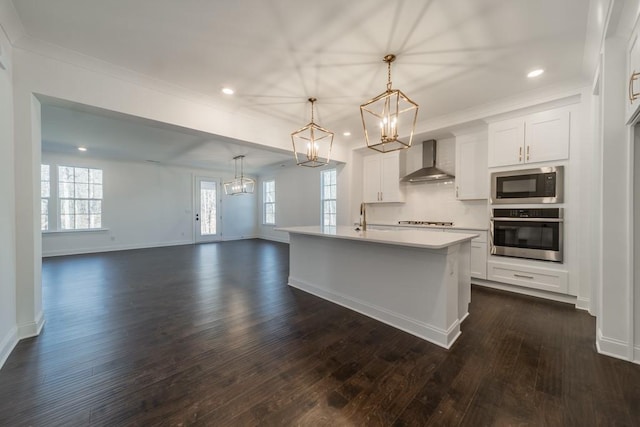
(546,136)
(539,137)
(371,179)
(472,181)
(633,75)
(382,178)
(506,142)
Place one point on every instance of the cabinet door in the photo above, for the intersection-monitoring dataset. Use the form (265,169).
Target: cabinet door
(478,260)
(506,143)
(547,136)
(472,179)
(390,182)
(371,179)
(478,255)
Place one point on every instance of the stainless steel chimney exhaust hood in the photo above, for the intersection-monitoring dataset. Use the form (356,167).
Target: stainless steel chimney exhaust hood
(429,171)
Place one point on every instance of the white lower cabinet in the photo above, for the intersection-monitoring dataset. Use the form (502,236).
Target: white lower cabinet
(479,260)
(546,279)
(479,252)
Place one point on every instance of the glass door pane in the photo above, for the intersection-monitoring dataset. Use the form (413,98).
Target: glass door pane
(207,209)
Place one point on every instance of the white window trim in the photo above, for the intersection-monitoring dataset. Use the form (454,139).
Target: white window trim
(322,199)
(48,198)
(54,202)
(265,203)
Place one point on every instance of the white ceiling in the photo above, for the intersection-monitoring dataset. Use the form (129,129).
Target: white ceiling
(105,134)
(452,54)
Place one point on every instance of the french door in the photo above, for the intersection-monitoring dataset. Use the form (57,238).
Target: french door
(208,218)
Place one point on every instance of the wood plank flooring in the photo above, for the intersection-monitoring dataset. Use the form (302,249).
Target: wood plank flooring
(212,335)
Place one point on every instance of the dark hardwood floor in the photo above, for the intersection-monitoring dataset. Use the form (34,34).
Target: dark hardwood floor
(212,335)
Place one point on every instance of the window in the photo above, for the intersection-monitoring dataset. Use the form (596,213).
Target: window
(80,196)
(45,193)
(269,202)
(328,197)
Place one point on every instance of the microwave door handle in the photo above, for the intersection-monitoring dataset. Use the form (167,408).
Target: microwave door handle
(527,219)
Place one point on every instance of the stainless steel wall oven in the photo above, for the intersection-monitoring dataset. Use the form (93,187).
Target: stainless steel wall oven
(528,233)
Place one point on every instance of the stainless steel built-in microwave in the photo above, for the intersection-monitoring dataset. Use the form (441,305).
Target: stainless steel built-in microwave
(541,185)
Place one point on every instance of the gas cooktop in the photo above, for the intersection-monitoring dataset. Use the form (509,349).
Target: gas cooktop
(434,223)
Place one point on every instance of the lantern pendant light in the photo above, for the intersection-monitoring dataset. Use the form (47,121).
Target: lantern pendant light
(312,143)
(239,185)
(389,116)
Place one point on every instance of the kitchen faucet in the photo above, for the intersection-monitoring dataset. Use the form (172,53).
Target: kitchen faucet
(363,216)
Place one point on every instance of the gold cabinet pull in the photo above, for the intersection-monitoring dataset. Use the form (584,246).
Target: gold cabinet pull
(528,152)
(520,154)
(633,95)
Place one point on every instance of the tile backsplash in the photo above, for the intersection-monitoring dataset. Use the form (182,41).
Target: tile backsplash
(432,202)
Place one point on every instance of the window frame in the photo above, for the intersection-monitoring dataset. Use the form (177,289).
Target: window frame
(74,199)
(333,182)
(47,198)
(266,203)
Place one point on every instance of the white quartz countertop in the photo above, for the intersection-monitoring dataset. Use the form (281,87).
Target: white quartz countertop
(424,239)
(427,227)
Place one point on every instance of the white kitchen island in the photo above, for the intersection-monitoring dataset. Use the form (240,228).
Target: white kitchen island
(414,280)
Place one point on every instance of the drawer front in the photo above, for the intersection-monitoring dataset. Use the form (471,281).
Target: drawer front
(548,280)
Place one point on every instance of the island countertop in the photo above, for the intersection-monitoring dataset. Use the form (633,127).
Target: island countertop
(419,239)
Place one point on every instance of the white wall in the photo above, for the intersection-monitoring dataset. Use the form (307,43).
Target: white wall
(614,326)
(8,327)
(425,201)
(298,198)
(146,205)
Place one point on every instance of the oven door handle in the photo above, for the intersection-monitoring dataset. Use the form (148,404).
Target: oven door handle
(528,219)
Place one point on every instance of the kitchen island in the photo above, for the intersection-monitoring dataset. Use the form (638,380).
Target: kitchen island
(415,280)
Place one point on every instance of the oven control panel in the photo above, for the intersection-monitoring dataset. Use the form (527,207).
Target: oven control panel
(528,213)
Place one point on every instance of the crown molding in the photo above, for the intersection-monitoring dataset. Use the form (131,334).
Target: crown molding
(10,22)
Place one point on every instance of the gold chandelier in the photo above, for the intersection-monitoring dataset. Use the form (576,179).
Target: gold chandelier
(387,116)
(312,143)
(239,184)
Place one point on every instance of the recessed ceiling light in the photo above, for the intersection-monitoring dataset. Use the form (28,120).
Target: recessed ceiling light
(535,73)
(347,133)
(227,91)
(82,148)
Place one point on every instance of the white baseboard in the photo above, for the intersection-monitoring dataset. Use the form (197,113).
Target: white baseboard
(440,337)
(7,344)
(31,329)
(284,239)
(612,347)
(93,250)
(233,238)
(636,355)
(569,299)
